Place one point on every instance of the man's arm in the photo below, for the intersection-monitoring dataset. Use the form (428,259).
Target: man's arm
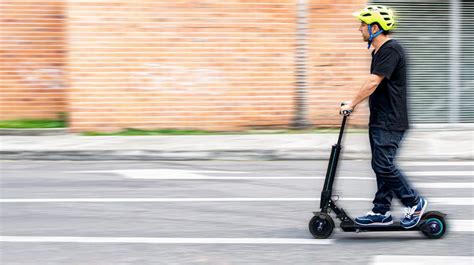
(369,86)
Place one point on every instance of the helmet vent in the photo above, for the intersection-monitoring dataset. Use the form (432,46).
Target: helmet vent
(384,13)
(389,24)
(386,18)
(366,15)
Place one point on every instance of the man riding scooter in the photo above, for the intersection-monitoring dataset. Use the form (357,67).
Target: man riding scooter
(386,88)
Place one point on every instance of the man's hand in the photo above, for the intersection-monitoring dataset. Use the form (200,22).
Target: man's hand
(346,107)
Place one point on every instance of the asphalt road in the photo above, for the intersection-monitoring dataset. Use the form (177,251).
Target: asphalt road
(209,212)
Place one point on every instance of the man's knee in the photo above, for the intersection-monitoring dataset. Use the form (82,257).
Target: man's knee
(384,168)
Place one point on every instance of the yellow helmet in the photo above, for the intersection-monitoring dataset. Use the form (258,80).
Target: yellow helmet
(377,14)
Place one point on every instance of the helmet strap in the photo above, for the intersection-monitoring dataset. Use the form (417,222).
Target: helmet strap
(372,36)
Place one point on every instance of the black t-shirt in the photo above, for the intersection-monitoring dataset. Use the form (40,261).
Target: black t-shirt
(388,104)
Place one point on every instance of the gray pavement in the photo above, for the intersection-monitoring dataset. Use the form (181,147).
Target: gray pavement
(448,186)
(420,143)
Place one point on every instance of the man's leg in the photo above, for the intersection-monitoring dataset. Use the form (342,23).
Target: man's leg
(385,145)
(383,198)
(384,195)
(380,214)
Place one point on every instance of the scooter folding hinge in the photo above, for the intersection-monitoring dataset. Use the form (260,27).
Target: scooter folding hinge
(325,199)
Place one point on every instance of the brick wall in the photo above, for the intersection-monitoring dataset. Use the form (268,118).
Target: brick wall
(213,65)
(187,64)
(32,59)
(339,60)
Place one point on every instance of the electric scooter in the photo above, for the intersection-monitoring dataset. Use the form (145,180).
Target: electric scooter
(432,224)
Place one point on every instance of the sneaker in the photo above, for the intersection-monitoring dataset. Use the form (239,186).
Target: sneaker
(413,214)
(374,219)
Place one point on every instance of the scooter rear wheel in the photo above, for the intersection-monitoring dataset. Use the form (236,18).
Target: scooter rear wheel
(321,225)
(433,225)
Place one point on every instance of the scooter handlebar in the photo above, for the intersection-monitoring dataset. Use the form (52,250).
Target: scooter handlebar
(345,112)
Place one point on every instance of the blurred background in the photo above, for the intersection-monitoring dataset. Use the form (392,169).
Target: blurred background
(119,67)
(231,65)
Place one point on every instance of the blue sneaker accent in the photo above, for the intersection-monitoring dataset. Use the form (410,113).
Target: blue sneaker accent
(374,219)
(413,214)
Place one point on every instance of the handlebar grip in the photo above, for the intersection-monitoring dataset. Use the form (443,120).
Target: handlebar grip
(345,112)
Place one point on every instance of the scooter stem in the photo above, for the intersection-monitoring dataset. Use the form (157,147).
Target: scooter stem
(341,131)
(331,171)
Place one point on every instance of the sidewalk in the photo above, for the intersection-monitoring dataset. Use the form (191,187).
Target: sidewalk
(419,144)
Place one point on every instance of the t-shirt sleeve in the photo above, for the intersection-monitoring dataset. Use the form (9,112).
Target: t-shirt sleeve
(386,62)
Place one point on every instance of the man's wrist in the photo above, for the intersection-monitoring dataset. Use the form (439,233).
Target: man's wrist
(352,105)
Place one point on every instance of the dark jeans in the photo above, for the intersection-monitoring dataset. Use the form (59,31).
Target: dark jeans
(390,180)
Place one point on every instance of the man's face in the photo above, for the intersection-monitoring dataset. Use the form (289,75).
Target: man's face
(364,30)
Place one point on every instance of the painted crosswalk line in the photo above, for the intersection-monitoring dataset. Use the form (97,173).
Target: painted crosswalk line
(421,260)
(439,200)
(181,174)
(436,163)
(165,240)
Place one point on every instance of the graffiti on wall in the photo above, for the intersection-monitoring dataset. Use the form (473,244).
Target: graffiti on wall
(169,78)
(40,76)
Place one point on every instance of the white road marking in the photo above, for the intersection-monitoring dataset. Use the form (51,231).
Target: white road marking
(166,240)
(421,260)
(454,225)
(162,173)
(437,163)
(171,174)
(440,201)
(179,174)
(205,177)
(439,173)
(445,185)
(461,225)
(241,199)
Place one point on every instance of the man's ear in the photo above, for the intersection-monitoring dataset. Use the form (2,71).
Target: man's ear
(375,27)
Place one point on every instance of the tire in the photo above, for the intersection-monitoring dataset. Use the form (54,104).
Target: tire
(433,225)
(321,225)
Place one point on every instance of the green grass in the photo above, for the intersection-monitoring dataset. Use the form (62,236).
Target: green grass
(61,123)
(32,124)
(138,132)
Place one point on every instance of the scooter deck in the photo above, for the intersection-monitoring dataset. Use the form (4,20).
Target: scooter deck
(380,228)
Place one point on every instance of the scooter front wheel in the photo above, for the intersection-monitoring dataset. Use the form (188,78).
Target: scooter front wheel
(321,225)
